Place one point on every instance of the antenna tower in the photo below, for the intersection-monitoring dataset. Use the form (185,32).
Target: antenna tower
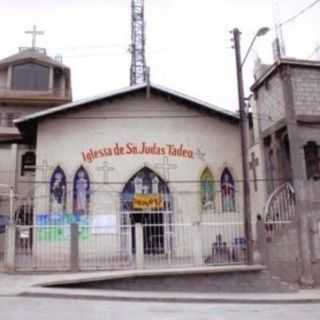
(279,49)
(138,68)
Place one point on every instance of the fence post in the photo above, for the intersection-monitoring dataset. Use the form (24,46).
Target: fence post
(261,246)
(10,248)
(315,239)
(197,245)
(139,245)
(74,247)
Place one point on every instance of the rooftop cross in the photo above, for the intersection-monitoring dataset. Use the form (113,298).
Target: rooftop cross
(34,32)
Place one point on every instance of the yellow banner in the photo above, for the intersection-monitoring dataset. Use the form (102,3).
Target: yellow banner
(147,201)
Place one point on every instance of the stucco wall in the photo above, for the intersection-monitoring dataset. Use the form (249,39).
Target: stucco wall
(61,141)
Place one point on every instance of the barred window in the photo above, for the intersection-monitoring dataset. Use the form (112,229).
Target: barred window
(311,153)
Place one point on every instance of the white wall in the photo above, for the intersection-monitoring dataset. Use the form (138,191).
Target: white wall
(136,120)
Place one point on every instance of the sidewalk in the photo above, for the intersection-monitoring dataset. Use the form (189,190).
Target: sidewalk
(30,285)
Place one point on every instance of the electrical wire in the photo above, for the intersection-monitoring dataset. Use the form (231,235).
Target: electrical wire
(301,12)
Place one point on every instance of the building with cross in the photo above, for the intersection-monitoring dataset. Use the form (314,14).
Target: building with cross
(30,81)
(141,155)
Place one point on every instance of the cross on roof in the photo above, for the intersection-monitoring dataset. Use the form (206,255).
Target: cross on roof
(166,167)
(34,32)
(253,164)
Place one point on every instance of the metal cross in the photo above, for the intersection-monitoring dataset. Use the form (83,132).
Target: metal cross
(45,169)
(253,165)
(166,167)
(105,170)
(34,32)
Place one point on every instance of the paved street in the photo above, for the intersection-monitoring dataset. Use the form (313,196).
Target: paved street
(17,308)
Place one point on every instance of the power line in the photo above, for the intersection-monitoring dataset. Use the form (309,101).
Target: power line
(299,13)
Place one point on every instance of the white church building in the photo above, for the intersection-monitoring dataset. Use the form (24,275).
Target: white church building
(141,163)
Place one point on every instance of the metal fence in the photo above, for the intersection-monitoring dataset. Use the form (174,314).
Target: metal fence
(75,247)
(184,232)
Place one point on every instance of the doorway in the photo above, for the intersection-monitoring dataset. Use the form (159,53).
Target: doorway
(153,232)
(145,199)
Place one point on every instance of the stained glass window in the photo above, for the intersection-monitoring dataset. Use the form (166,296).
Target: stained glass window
(81,191)
(207,190)
(228,199)
(58,191)
(145,190)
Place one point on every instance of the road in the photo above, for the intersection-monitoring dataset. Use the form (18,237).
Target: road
(26,308)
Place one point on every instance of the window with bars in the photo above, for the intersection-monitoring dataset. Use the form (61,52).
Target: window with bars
(311,154)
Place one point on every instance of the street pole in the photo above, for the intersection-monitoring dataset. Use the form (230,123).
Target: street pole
(244,148)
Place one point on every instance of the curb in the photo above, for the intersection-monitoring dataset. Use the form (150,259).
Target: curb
(139,297)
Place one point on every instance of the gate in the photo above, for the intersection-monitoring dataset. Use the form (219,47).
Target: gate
(167,238)
(6,211)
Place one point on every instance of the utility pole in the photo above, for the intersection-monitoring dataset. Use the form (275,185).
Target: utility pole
(137,48)
(244,146)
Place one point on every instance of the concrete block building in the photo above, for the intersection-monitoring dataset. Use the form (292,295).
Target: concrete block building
(284,162)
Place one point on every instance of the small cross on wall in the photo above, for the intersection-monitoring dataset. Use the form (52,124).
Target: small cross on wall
(253,164)
(105,168)
(166,167)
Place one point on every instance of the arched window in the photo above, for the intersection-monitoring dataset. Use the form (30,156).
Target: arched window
(58,191)
(145,190)
(207,190)
(81,191)
(228,199)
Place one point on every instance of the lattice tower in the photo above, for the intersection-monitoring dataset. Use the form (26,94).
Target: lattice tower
(138,68)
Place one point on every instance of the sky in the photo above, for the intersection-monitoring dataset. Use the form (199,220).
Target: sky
(188,43)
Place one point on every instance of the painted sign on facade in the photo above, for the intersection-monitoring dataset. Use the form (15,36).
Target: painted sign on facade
(56,227)
(143,148)
(147,201)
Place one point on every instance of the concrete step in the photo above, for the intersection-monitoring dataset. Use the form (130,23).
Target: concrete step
(206,280)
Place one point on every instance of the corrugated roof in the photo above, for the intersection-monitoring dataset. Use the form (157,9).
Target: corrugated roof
(73,105)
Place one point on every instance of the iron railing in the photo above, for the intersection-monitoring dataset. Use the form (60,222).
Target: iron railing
(50,247)
(280,208)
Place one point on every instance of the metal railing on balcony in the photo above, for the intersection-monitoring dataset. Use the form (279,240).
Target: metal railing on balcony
(54,93)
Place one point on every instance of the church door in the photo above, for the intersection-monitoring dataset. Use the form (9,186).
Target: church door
(145,199)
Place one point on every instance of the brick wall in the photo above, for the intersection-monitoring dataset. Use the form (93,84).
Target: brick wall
(270,103)
(306,91)
(281,252)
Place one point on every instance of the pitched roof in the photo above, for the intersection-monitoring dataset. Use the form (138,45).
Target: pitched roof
(27,123)
(31,54)
(79,103)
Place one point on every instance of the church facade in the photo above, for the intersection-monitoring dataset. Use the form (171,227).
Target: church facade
(145,155)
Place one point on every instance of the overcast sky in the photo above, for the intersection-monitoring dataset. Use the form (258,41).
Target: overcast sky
(188,45)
